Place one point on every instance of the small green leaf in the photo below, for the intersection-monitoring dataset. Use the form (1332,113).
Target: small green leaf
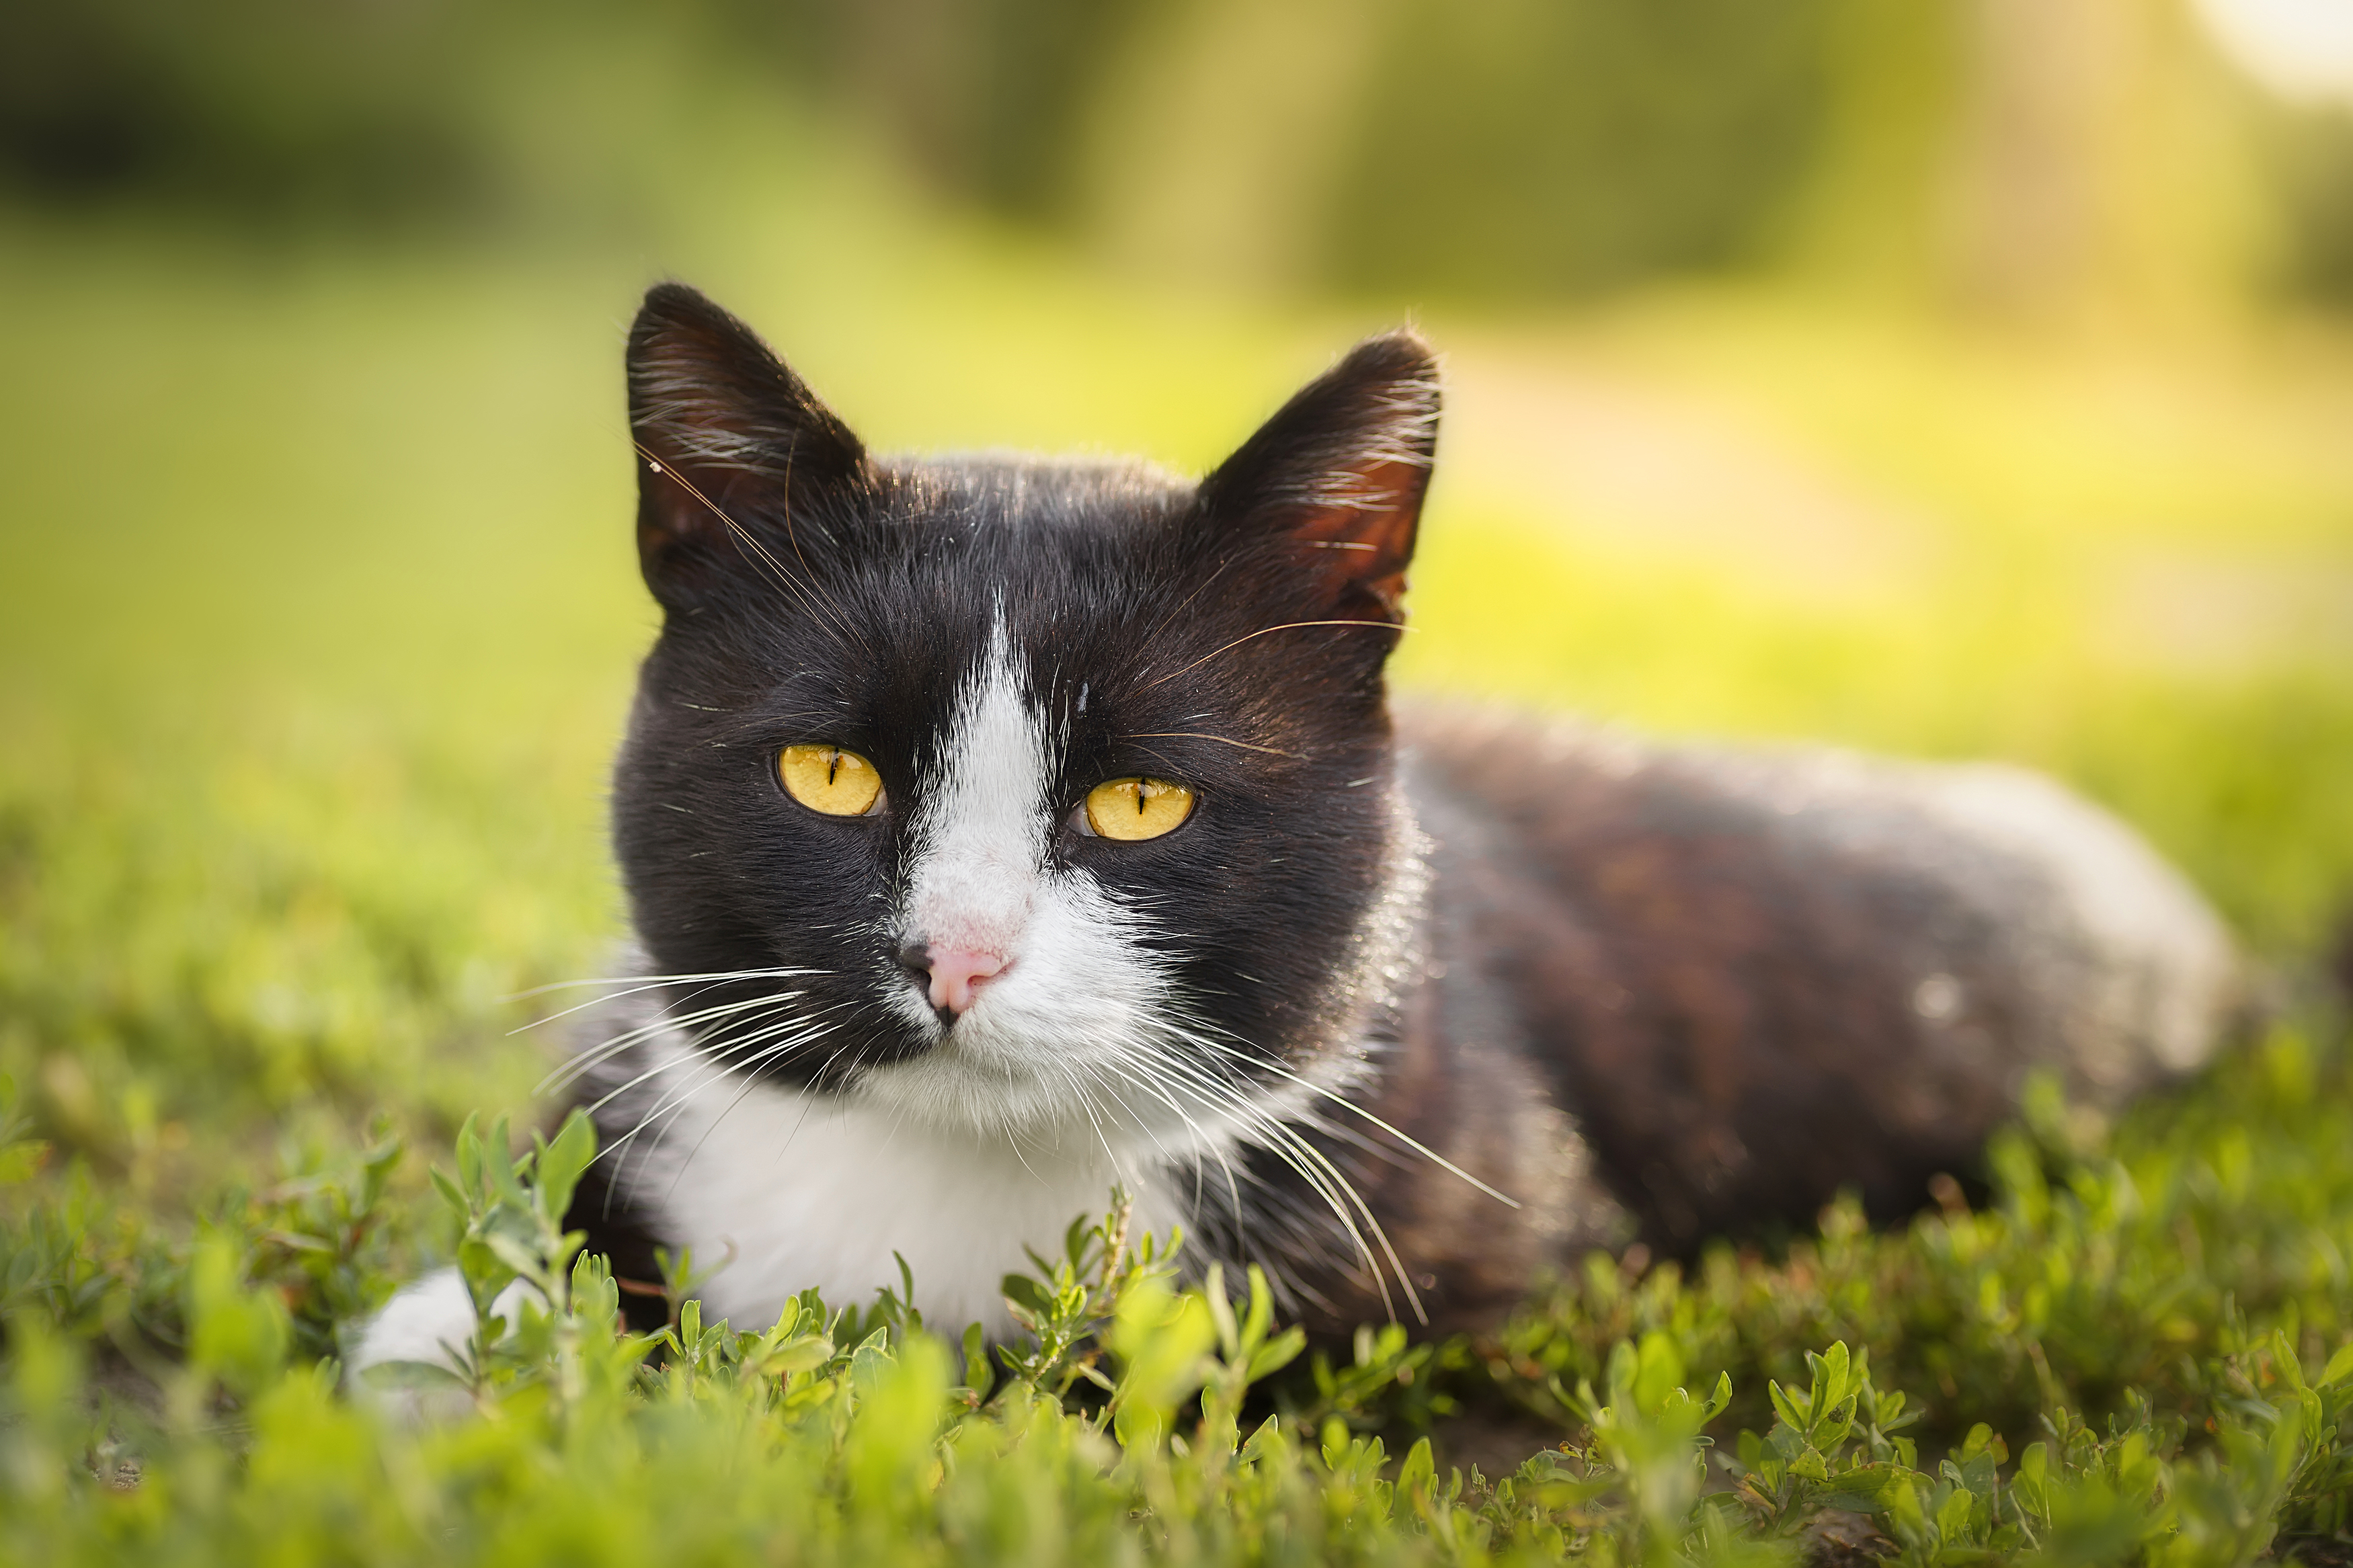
(1658,1371)
(1275,1355)
(871,1361)
(1718,1400)
(977,1375)
(796,1356)
(513,1251)
(1028,1294)
(1260,1314)
(1222,1312)
(1835,1367)
(1902,1505)
(906,1280)
(469,1154)
(563,1162)
(1784,1407)
(1419,1470)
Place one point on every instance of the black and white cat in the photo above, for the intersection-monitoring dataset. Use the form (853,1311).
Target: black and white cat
(999,829)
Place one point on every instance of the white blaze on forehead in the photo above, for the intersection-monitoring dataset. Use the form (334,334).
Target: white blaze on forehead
(1072,1045)
(980,840)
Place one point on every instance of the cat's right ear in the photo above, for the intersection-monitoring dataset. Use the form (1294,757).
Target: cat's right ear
(728,441)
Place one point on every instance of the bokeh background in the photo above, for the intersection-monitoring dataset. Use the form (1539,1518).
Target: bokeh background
(1953,377)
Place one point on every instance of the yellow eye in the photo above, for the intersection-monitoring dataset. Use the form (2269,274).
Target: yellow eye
(1137,808)
(829,779)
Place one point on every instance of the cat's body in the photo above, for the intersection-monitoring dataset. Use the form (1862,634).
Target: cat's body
(1327,994)
(1671,992)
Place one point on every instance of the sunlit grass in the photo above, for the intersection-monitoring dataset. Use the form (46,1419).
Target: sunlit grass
(318,617)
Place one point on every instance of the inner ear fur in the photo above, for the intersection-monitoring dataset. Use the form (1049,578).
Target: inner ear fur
(728,438)
(1340,471)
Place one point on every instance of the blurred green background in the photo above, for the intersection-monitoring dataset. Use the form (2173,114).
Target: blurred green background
(1957,377)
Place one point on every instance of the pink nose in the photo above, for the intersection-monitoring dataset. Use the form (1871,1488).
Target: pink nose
(957,976)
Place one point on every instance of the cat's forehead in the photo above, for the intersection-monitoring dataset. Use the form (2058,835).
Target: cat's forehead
(1024,495)
(1043,573)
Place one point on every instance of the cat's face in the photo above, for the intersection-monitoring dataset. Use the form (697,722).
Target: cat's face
(1022,796)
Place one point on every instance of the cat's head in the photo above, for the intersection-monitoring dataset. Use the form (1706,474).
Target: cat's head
(1020,794)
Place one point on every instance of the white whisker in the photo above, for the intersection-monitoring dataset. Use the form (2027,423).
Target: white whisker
(635,983)
(667,1064)
(1435,1158)
(571,1071)
(1314,1166)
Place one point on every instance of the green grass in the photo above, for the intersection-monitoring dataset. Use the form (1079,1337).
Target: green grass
(316,624)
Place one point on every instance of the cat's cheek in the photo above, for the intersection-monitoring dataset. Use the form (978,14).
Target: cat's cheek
(1080,974)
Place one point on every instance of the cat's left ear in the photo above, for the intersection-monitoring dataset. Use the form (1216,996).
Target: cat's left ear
(1340,472)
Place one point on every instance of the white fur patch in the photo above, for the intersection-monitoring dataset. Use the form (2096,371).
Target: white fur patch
(982,827)
(800,1190)
(427,1322)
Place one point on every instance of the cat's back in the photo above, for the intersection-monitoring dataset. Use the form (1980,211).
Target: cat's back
(1757,974)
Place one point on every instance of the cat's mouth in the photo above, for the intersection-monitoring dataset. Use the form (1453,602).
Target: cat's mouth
(1033,1048)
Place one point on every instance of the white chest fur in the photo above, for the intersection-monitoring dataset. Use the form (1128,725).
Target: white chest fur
(776,1190)
(799,1190)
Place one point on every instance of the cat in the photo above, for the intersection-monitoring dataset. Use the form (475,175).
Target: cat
(997,829)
